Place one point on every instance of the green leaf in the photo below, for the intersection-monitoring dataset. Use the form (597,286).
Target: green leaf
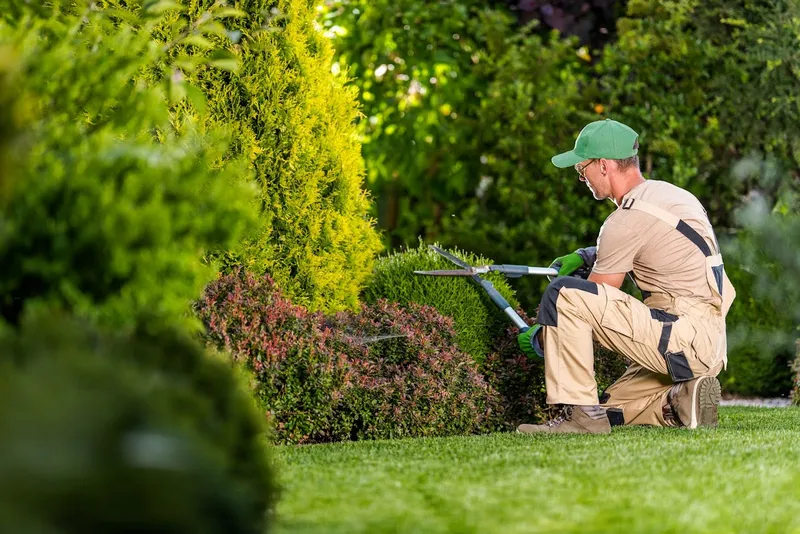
(230,64)
(186,63)
(229,12)
(177,91)
(197,97)
(214,28)
(199,41)
(164,5)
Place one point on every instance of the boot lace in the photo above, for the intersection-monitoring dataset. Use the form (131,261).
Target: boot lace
(566,413)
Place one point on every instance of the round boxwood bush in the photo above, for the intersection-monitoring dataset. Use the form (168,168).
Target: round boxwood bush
(108,434)
(477,321)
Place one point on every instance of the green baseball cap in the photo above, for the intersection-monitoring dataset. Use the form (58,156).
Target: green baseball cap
(600,139)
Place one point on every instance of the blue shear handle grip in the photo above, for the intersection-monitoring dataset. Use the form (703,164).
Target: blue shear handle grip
(503,304)
(514,269)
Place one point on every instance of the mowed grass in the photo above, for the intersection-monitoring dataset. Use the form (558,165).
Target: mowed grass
(741,477)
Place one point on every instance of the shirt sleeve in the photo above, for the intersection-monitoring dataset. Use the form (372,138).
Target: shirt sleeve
(617,246)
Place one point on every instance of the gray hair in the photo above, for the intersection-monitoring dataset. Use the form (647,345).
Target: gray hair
(627,163)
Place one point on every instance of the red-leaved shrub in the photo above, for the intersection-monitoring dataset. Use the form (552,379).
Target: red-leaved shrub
(410,378)
(519,381)
(384,372)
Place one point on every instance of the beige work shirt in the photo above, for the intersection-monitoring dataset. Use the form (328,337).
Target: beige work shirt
(661,259)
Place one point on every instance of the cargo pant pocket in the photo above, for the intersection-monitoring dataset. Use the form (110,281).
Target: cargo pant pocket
(626,316)
(688,356)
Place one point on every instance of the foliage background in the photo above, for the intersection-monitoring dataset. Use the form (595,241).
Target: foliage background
(461,119)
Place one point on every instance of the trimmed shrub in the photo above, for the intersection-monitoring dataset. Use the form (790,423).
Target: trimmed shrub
(109,433)
(292,119)
(300,379)
(111,210)
(388,371)
(476,319)
(330,379)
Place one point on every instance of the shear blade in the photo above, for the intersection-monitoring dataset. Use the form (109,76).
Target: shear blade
(446,273)
(450,257)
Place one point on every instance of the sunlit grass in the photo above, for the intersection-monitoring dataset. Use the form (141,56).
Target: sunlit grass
(742,477)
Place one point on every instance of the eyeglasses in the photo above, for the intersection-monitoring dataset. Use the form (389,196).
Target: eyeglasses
(581,169)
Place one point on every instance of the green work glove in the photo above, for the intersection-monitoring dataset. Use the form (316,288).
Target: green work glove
(568,264)
(530,342)
(581,258)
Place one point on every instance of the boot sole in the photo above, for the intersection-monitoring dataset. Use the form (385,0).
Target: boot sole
(706,395)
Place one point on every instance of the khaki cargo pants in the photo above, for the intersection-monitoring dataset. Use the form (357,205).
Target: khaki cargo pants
(664,347)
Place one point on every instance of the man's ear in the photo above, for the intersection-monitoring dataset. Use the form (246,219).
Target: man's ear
(603,165)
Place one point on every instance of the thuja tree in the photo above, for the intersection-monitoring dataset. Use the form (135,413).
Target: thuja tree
(292,119)
(110,210)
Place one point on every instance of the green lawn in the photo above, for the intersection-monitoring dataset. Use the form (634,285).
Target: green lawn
(742,477)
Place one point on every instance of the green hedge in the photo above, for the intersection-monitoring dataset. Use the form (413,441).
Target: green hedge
(476,319)
(763,326)
(292,119)
(120,433)
(110,210)
(386,371)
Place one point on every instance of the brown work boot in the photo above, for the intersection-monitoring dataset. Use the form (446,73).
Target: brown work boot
(574,420)
(694,402)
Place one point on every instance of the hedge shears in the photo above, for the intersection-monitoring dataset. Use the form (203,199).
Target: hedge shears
(511,271)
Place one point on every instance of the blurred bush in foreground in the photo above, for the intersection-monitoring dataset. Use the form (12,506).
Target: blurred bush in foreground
(110,210)
(117,434)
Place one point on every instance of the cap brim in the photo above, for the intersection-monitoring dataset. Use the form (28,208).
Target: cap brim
(567,159)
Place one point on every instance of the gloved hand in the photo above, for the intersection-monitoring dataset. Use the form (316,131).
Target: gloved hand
(530,342)
(581,258)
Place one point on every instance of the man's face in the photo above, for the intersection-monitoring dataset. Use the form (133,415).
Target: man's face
(589,173)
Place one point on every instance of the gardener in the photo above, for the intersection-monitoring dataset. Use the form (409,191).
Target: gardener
(676,339)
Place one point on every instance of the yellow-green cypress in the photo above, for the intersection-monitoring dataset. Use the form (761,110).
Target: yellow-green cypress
(293,118)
